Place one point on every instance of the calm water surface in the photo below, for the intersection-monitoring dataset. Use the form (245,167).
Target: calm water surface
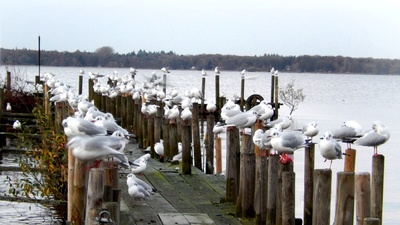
(330,100)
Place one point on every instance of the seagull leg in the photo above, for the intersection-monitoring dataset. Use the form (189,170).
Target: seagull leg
(96,164)
(285,159)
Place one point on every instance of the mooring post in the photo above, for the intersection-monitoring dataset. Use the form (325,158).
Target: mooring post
(71,164)
(261,182)
(218,155)
(78,200)
(196,136)
(186,148)
(173,140)
(217,98)
(94,196)
(282,167)
(80,84)
(247,176)
(232,164)
(363,197)
(309,156)
(272,188)
(350,160)
(210,144)
(322,197)
(344,213)
(288,198)
(377,181)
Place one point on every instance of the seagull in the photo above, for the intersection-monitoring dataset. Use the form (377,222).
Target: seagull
(139,165)
(79,126)
(329,148)
(178,157)
(110,126)
(216,70)
(16,125)
(375,137)
(90,148)
(159,148)
(145,188)
(283,123)
(203,73)
(164,70)
(211,107)
(186,114)
(227,111)
(92,113)
(286,143)
(134,192)
(174,113)
(348,132)
(263,138)
(310,130)
(242,120)
(218,129)
(8,106)
(264,110)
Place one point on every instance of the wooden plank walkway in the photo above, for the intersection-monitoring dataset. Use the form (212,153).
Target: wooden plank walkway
(180,199)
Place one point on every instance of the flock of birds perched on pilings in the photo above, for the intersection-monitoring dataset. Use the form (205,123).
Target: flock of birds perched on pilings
(94,136)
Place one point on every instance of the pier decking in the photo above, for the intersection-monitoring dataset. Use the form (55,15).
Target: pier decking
(180,199)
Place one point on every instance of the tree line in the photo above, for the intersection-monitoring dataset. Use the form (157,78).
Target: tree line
(106,57)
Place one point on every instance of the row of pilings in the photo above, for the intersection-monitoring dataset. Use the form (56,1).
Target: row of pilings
(256,183)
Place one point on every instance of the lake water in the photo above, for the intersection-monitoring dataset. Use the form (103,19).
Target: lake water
(330,100)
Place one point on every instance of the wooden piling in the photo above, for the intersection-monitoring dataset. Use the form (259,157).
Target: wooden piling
(186,149)
(309,156)
(150,135)
(276,97)
(218,155)
(217,98)
(94,196)
(261,182)
(350,160)
(80,84)
(242,92)
(114,209)
(232,164)
(287,167)
(377,182)
(288,198)
(344,213)
(71,164)
(173,141)
(363,197)
(196,136)
(78,210)
(210,144)
(272,189)
(123,111)
(322,197)
(247,178)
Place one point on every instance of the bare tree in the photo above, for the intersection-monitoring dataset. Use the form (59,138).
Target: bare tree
(291,97)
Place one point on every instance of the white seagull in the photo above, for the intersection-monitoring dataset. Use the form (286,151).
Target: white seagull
(79,126)
(286,143)
(16,125)
(8,106)
(375,137)
(329,148)
(310,130)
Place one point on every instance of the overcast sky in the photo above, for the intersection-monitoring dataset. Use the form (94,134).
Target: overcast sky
(355,28)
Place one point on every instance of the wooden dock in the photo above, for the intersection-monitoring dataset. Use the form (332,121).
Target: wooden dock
(179,199)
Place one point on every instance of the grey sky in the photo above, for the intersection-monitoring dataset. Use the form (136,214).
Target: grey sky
(355,28)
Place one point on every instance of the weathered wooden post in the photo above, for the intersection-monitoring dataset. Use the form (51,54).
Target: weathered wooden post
(232,164)
(350,160)
(210,144)
(288,198)
(196,136)
(247,177)
(173,139)
(282,167)
(344,213)
(217,98)
(78,209)
(123,111)
(158,123)
(8,81)
(363,197)
(186,147)
(218,155)
(309,156)
(94,196)
(377,181)
(150,135)
(322,197)
(80,84)
(71,164)
(261,182)
(272,188)
(242,91)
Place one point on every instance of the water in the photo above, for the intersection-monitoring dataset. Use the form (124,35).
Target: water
(330,100)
